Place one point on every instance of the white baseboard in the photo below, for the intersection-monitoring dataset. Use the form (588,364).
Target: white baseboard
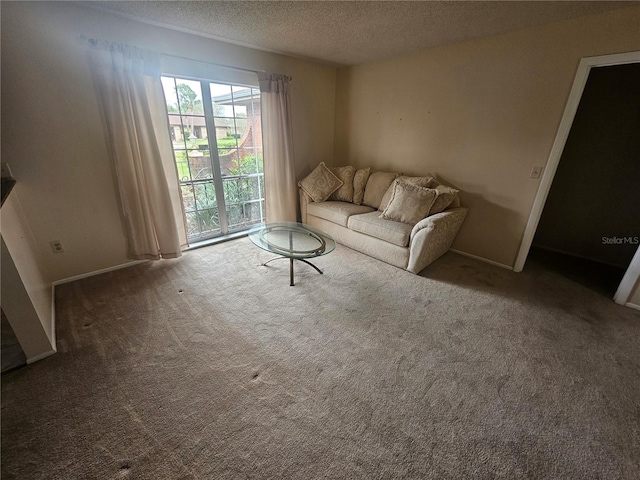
(40,356)
(98,272)
(632,305)
(485,260)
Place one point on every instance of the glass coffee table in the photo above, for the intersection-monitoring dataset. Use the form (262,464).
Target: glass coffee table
(295,241)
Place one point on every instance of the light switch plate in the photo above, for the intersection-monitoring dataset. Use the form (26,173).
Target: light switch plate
(536,172)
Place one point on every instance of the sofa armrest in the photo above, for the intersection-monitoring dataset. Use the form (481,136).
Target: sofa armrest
(432,237)
(305,200)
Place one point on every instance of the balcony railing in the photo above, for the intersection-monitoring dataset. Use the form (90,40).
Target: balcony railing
(244,200)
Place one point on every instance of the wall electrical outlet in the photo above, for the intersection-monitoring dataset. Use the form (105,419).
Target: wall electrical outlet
(56,246)
(535,172)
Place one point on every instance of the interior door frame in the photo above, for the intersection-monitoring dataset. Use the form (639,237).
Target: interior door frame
(582,74)
(629,281)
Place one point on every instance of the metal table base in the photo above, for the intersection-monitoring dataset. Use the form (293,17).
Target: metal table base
(291,283)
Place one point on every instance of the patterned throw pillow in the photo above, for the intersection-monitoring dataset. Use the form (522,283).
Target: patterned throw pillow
(418,181)
(446,196)
(359,182)
(320,183)
(377,185)
(345,192)
(409,203)
(433,183)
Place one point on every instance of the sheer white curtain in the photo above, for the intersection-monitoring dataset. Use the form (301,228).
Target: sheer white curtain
(281,196)
(129,90)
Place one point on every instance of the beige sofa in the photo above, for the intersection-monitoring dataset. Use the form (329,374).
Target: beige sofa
(363,213)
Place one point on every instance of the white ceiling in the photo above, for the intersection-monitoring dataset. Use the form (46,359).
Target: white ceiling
(350,32)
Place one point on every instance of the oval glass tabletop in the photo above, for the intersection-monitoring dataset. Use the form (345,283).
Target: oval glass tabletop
(292,240)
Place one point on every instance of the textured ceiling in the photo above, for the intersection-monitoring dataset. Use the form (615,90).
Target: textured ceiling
(350,32)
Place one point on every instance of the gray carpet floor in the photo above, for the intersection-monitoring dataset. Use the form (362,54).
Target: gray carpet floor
(212,367)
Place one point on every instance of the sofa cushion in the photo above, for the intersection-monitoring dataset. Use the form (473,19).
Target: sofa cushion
(377,185)
(359,182)
(419,181)
(446,196)
(409,203)
(320,183)
(336,212)
(345,192)
(388,230)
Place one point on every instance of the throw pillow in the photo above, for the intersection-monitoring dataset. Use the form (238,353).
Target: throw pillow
(419,181)
(377,185)
(359,182)
(345,192)
(320,183)
(456,198)
(446,196)
(433,183)
(409,203)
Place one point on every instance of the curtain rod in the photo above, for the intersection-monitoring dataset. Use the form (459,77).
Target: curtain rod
(212,63)
(84,40)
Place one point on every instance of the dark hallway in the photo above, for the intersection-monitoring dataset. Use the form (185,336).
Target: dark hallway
(596,276)
(590,225)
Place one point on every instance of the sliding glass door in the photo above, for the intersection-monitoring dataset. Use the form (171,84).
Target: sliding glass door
(216,134)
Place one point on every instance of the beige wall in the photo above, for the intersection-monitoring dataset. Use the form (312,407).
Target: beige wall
(52,133)
(480,114)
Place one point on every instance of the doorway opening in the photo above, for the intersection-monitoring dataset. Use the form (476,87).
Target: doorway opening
(590,226)
(582,242)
